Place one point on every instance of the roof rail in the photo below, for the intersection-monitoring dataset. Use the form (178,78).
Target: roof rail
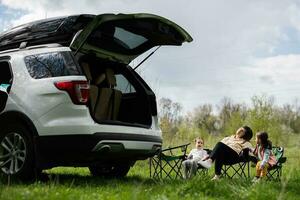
(23,45)
(53,45)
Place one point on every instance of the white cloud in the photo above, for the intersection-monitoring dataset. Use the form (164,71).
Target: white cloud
(282,69)
(228,37)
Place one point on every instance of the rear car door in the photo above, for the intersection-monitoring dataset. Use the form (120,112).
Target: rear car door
(5,81)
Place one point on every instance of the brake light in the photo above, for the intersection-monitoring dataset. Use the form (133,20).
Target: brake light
(78,90)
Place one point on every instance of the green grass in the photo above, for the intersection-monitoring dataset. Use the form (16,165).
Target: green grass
(76,183)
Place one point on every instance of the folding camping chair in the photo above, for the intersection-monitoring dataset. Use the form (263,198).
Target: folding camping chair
(276,171)
(240,169)
(167,163)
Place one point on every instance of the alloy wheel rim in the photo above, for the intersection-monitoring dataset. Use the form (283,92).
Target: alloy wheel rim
(12,153)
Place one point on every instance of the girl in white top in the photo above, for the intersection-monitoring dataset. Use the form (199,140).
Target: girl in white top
(194,158)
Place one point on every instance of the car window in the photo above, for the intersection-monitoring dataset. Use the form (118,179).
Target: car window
(128,39)
(52,64)
(124,85)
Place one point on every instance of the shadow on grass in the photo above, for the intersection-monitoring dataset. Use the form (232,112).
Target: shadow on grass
(79,180)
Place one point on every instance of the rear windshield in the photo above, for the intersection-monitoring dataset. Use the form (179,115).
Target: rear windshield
(119,39)
(128,39)
(54,64)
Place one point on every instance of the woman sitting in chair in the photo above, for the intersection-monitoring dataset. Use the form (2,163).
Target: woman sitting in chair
(229,149)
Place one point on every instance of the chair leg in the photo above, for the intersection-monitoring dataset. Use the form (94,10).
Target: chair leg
(238,170)
(202,171)
(163,170)
(176,168)
(274,174)
(242,170)
(225,171)
(150,165)
(248,169)
(155,173)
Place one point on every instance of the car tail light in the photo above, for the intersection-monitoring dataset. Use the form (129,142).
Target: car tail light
(78,90)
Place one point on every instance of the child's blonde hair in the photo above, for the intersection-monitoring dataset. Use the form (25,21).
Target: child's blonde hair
(199,138)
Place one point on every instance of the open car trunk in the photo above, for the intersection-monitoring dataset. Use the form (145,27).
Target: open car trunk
(105,47)
(118,95)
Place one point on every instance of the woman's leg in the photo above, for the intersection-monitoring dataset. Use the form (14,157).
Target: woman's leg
(223,154)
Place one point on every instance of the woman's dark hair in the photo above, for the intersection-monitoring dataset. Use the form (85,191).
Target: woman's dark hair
(265,143)
(248,133)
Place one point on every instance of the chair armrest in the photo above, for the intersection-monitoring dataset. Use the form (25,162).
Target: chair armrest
(281,160)
(244,155)
(252,159)
(208,151)
(176,147)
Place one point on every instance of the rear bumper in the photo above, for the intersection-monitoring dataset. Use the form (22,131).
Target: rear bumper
(84,150)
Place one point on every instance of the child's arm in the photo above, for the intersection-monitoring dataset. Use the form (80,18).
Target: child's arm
(204,154)
(266,157)
(248,146)
(190,156)
(254,150)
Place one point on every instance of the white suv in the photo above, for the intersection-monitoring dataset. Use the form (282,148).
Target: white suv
(68,96)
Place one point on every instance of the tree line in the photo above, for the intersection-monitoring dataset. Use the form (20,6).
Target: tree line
(223,119)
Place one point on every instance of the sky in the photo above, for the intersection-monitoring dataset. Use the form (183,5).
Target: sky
(241,48)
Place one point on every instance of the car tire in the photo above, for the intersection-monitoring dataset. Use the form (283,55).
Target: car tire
(110,170)
(16,153)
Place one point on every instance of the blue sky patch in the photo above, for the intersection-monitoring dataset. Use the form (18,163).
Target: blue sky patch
(290,45)
(7,14)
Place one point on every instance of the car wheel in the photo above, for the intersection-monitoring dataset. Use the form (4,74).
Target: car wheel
(16,153)
(110,171)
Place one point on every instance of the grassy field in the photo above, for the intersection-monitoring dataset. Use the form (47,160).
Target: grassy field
(76,183)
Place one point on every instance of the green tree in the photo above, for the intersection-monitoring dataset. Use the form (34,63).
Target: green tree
(169,116)
(203,118)
(263,117)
